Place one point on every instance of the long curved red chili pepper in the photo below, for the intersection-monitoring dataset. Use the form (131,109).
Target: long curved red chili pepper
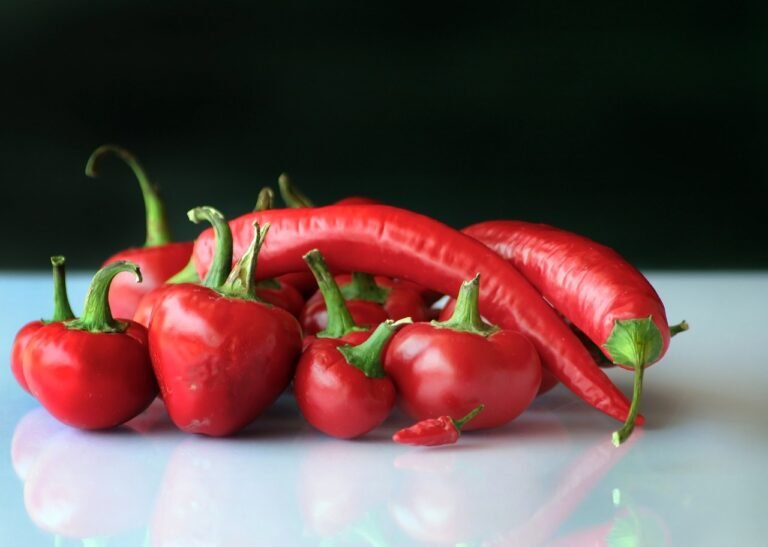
(605,296)
(398,243)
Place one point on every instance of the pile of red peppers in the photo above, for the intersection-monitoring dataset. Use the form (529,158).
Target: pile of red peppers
(337,304)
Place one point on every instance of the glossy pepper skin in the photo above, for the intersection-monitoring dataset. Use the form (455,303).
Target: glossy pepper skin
(61,312)
(405,245)
(449,368)
(435,431)
(93,372)
(341,389)
(160,258)
(220,355)
(602,294)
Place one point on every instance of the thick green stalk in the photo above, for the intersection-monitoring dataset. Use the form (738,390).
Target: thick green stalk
(364,287)
(625,431)
(241,282)
(367,356)
(97,317)
(340,321)
(266,200)
(466,315)
(292,196)
(62,311)
(682,326)
(222,257)
(158,230)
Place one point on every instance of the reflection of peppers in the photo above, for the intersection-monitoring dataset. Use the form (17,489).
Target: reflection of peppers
(435,431)
(448,368)
(159,258)
(93,372)
(392,242)
(61,312)
(221,356)
(607,298)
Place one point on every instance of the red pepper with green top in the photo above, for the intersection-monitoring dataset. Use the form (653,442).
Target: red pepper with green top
(160,258)
(61,312)
(221,355)
(93,372)
(435,431)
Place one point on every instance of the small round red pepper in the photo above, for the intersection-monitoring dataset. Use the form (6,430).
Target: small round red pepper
(61,312)
(93,372)
(435,431)
(160,258)
(447,368)
(221,355)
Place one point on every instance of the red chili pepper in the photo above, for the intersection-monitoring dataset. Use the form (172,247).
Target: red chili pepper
(405,245)
(435,431)
(160,258)
(602,294)
(61,312)
(341,389)
(448,367)
(93,372)
(220,355)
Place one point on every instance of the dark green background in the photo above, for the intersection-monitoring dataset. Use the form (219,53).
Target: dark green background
(641,126)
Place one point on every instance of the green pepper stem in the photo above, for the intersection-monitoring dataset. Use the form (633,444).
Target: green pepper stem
(682,326)
(364,287)
(62,311)
(222,257)
(367,356)
(466,315)
(241,282)
(266,199)
(458,424)
(158,230)
(188,274)
(340,321)
(623,434)
(97,317)
(292,196)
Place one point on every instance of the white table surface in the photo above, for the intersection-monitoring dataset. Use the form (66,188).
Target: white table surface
(696,475)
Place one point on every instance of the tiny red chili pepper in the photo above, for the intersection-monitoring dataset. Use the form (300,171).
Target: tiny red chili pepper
(160,258)
(61,312)
(448,367)
(93,372)
(221,355)
(435,431)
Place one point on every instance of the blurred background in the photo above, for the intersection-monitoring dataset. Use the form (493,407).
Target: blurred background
(642,127)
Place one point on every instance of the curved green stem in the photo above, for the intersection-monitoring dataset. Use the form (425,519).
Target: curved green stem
(625,431)
(367,356)
(266,200)
(466,315)
(222,257)
(682,326)
(340,321)
(292,196)
(97,317)
(62,311)
(458,424)
(364,287)
(158,230)
(241,282)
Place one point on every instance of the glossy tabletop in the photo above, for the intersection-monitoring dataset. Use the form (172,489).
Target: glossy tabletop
(694,475)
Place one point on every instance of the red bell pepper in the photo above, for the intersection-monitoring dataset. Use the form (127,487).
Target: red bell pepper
(61,312)
(221,356)
(160,258)
(602,294)
(435,431)
(448,368)
(341,389)
(405,245)
(93,372)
